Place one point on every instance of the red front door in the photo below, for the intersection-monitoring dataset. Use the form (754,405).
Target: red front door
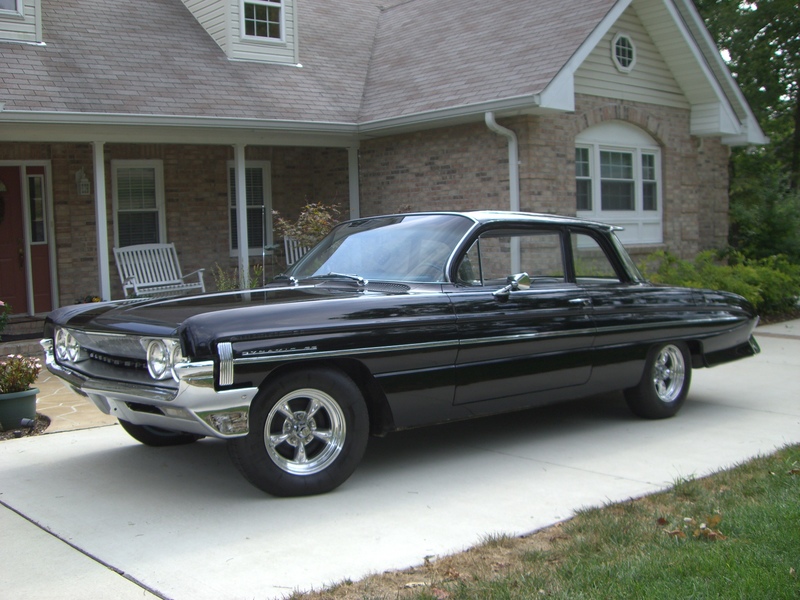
(13,289)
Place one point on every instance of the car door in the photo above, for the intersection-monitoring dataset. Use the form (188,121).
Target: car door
(515,344)
(629,315)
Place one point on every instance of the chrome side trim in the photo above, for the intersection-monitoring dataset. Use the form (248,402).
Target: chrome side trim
(271,356)
(225,351)
(274,357)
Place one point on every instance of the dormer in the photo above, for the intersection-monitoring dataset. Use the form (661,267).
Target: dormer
(252,30)
(21,21)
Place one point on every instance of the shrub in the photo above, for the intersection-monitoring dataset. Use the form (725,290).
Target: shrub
(17,373)
(228,280)
(313,224)
(771,284)
(5,309)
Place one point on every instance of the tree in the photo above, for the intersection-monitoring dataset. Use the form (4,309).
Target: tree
(760,40)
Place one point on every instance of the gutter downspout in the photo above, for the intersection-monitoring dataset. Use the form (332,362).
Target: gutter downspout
(513,181)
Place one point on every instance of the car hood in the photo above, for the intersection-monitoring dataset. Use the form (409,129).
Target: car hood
(148,316)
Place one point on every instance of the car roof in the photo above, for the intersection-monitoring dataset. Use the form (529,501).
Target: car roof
(485,217)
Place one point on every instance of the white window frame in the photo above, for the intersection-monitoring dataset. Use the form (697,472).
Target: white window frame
(641,226)
(280,4)
(266,177)
(623,68)
(158,167)
(17,11)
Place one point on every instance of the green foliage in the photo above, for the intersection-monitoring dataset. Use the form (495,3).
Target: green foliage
(761,41)
(765,212)
(313,224)
(771,284)
(17,373)
(227,280)
(5,309)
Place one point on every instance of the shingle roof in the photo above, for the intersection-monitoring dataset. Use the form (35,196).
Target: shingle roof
(360,62)
(152,57)
(434,54)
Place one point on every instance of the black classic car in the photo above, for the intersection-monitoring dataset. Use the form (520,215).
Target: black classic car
(393,322)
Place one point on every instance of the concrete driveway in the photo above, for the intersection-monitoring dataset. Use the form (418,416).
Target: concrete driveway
(92,513)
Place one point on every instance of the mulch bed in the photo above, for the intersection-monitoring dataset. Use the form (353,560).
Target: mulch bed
(42,423)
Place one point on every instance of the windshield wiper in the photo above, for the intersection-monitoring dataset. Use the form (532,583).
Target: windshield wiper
(357,278)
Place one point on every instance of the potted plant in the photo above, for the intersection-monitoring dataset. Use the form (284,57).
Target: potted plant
(17,397)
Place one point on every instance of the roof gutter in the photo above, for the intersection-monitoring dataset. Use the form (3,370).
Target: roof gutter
(513,180)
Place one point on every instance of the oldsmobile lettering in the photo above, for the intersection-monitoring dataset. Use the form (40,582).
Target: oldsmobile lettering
(278,351)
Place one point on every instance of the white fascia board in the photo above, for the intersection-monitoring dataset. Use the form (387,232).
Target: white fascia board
(749,127)
(751,135)
(84,118)
(120,128)
(459,114)
(560,92)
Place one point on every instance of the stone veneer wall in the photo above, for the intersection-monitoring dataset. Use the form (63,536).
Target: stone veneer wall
(466,168)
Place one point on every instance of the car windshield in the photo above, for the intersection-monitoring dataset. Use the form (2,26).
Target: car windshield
(396,248)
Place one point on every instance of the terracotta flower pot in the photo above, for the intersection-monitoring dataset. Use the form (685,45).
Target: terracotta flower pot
(16,406)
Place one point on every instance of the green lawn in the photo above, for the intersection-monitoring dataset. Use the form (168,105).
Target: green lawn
(735,534)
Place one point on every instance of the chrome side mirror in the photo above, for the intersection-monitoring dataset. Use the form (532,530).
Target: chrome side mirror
(520,281)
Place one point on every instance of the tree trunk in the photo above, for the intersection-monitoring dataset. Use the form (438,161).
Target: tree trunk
(794,177)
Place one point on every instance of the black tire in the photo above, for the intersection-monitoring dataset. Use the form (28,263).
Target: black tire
(665,382)
(157,437)
(308,432)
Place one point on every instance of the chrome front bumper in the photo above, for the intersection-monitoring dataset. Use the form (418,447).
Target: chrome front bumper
(193,407)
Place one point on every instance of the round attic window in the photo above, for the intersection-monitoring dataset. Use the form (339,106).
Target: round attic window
(623,52)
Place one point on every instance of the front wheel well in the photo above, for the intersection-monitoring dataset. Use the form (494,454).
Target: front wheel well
(381,419)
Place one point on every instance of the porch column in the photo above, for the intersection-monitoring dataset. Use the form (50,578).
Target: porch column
(104,279)
(355,199)
(241,217)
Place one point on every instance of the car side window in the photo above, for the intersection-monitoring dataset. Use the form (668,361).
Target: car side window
(490,260)
(592,265)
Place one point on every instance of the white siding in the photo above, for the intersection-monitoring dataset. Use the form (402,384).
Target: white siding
(211,14)
(221,19)
(651,80)
(265,51)
(23,28)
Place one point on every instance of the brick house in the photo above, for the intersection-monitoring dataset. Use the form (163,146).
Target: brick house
(137,121)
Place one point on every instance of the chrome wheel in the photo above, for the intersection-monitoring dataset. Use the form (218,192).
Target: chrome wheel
(305,432)
(669,372)
(308,432)
(665,382)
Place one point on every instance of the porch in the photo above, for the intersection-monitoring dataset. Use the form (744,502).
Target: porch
(214,202)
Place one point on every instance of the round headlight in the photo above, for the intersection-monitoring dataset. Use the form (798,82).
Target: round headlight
(67,347)
(158,359)
(61,343)
(176,359)
(73,348)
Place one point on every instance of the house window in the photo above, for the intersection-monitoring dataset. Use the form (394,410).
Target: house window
(36,208)
(138,202)
(623,53)
(263,19)
(583,177)
(259,207)
(10,5)
(618,180)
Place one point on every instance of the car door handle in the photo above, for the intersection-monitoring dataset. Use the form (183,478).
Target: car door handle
(586,302)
